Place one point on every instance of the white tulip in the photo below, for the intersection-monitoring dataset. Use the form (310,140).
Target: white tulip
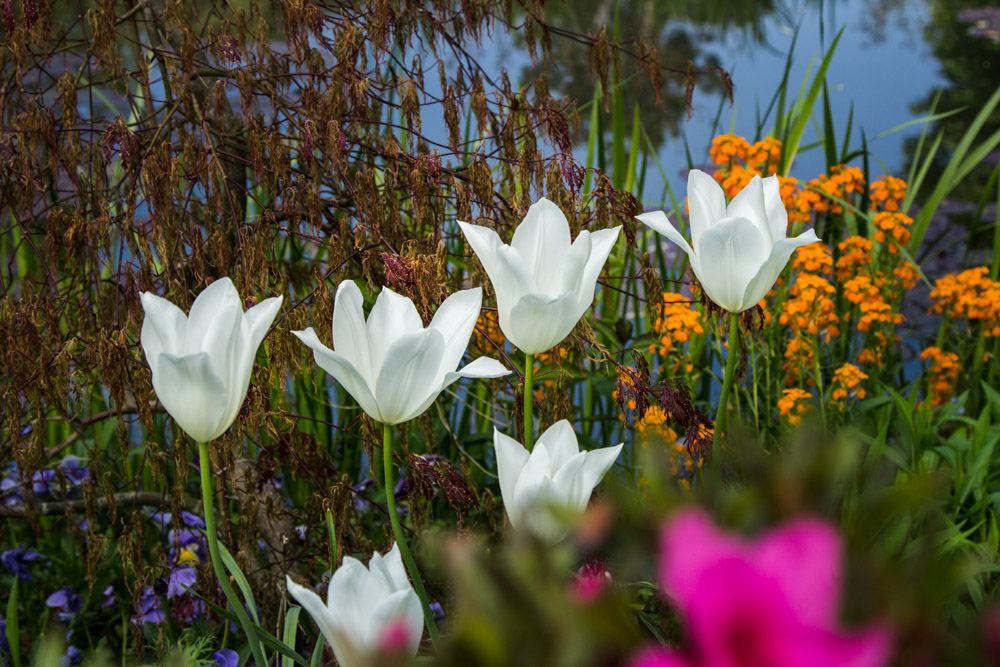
(556,475)
(362,605)
(736,251)
(201,362)
(392,365)
(544,284)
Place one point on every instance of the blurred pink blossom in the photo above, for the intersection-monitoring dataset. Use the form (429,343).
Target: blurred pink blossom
(772,601)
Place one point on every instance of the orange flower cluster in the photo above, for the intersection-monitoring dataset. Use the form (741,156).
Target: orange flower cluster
(797,206)
(654,427)
(764,155)
(847,383)
(970,294)
(679,319)
(895,225)
(887,193)
(855,255)
(843,183)
(794,404)
(728,147)
(942,373)
(814,258)
(811,308)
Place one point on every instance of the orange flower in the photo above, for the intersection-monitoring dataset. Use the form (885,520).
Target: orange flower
(942,373)
(793,404)
(887,193)
(814,258)
(855,254)
(969,294)
(727,147)
(892,224)
(847,383)
(764,155)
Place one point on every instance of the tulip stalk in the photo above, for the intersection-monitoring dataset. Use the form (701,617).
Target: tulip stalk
(214,555)
(397,531)
(529,372)
(727,380)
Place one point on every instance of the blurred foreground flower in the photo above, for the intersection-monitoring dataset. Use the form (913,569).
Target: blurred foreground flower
(769,602)
(367,609)
(392,365)
(544,284)
(201,362)
(736,251)
(556,475)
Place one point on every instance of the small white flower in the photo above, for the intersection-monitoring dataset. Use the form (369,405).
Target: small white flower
(201,362)
(392,365)
(555,475)
(362,605)
(544,284)
(736,251)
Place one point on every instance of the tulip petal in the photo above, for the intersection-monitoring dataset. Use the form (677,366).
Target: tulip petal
(255,325)
(455,319)
(511,458)
(484,242)
(542,239)
(532,486)
(602,242)
(749,204)
(402,607)
(690,545)
(804,558)
(258,320)
(597,465)
(781,251)
(660,223)
(313,604)
(350,336)
(392,317)
(342,371)
(777,215)
(538,323)
(409,375)
(560,441)
(512,279)
(193,395)
(212,323)
(707,205)
(480,367)
(163,328)
(350,594)
(734,250)
(390,568)
(569,492)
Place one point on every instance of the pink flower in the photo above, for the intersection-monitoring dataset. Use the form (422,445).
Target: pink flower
(591,581)
(771,602)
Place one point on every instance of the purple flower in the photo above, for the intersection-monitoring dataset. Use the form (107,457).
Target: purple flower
(301,531)
(162,518)
(192,520)
(10,488)
(74,470)
(361,504)
(187,545)
(226,657)
(147,608)
(17,561)
(4,646)
(41,482)
(73,656)
(109,597)
(66,603)
(181,579)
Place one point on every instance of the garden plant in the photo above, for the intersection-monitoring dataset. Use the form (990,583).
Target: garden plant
(326,342)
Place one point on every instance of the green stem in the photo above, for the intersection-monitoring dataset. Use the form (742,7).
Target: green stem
(213,553)
(529,372)
(397,531)
(331,531)
(727,380)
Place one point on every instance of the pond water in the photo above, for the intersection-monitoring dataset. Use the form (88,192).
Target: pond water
(893,56)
